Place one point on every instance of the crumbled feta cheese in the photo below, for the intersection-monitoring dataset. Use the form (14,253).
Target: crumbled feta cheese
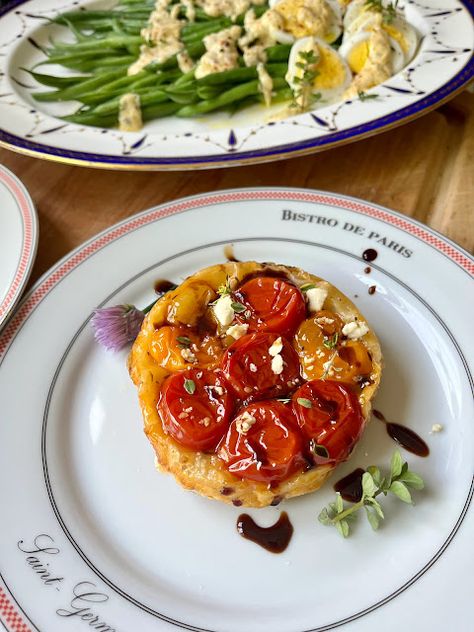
(354,330)
(188,355)
(253,367)
(277,364)
(316,297)
(324,320)
(436,428)
(244,422)
(237,331)
(223,310)
(205,421)
(276,347)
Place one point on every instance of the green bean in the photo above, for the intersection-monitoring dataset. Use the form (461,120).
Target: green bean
(55,82)
(71,93)
(112,42)
(280,52)
(99,96)
(236,75)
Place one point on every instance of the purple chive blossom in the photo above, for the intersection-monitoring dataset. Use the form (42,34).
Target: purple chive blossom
(115,327)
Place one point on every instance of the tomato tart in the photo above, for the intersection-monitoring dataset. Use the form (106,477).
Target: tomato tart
(255,380)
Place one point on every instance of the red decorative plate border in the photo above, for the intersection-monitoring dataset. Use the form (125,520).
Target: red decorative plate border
(30,238)
(12,619)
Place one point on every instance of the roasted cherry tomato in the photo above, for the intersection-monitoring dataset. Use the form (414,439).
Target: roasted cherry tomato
(263,443)
(272,304)
(319,344)
(178,348)
(330,416)
(196,408)
(260,366)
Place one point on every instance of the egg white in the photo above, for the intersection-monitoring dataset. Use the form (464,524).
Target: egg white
(397,57)
(328,84)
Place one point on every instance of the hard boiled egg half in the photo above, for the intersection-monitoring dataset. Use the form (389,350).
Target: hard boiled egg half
(356,51)
(333,75)
(302,18)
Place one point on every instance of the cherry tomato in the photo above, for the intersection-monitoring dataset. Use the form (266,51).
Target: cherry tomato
(196,407)
(263,443)
(177,348)
(253,372)
(330,416)
(318,341)
(272,304)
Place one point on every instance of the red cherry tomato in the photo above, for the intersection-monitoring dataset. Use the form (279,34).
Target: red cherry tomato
(272,304)
(196,407)
(253,372)
(330,416)
(269,446)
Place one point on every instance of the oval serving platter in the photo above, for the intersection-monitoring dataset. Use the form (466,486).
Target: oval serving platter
(92,537)
(441,68)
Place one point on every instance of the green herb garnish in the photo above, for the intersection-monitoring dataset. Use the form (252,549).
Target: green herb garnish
(307,286)
(189,386)
(331,343)
(238,307)
(397,483)
(363,96)
(225,289)
(184,342)
(306,403)
(387,9)
(303,96)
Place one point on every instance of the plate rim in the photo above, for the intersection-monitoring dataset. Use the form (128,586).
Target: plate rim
(278,152)
(429,236)
(29,246)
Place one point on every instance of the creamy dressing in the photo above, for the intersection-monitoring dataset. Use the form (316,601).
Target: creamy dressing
(229,8)
(378,67)
(130,114)
(162,37)
(222,53)
(312,17)
(265,83)
(189,9)
(185,63)
(260,33)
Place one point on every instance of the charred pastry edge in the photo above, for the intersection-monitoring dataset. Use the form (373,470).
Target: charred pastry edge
(205,473)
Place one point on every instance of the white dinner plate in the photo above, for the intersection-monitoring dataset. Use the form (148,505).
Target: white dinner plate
(18,240)
(92,537)
(442,66)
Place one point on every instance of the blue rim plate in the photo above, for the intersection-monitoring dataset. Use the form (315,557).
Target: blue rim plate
(443,66)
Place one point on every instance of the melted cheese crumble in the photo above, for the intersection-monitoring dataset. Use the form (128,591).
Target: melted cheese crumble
(244,422)
(355,330)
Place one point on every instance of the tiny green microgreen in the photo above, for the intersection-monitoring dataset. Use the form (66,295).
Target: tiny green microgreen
(363,96)
(225,289)
(189,386)
(306,403)
(307,286)
(373,484)
(238,307)
(184,342)
(303,95)
(387,9)
(331,343)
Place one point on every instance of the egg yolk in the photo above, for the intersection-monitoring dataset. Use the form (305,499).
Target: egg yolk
(358,56)
(330,71)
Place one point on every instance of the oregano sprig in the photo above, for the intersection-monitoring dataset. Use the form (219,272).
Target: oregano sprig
(398,482)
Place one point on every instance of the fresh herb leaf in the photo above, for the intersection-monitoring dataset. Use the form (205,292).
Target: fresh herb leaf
(401,491)
(225,289)
(363,96)
(303,95)
(387,9)
(373,484)
(189,386)
(184,341)
(306,403)
(331,343)
(307,286)
(238,307)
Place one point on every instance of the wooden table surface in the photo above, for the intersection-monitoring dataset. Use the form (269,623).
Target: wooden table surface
(424,169)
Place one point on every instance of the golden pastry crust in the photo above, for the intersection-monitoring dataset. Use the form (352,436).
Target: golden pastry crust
(205,473)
